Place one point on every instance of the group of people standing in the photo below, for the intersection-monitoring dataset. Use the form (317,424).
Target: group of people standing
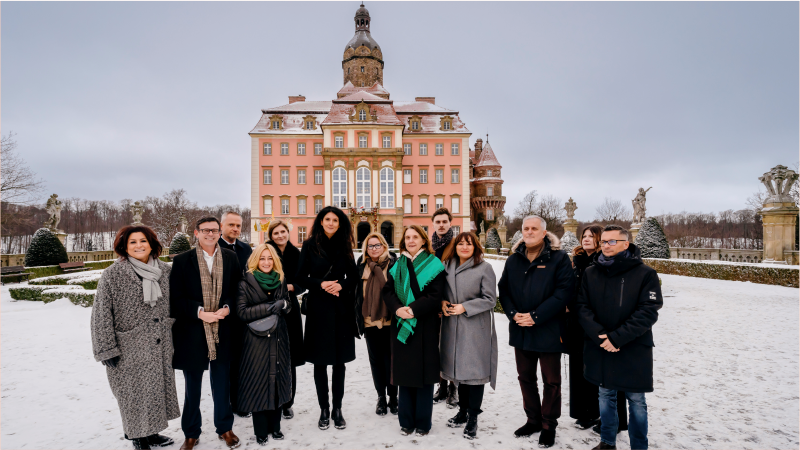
(426,314)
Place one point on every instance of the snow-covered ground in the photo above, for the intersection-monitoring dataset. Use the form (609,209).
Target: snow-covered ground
(726,376)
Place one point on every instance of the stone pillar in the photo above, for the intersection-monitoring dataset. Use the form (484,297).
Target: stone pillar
(634,231)
(502,233)
(572,225)
(63,237)
(482,237)
(779,215)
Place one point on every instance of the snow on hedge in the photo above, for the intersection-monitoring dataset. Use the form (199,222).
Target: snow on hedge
(80,297)
(66,277)
(569,241)
(724,270)
(652,241)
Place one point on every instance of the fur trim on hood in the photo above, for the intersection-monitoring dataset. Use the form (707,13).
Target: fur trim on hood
(555,242)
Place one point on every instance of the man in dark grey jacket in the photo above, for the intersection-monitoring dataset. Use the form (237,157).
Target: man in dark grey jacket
(536,284)
(617,307)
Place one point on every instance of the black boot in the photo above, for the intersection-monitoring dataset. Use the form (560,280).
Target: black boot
(471,430)
(157,440)
(585,424)
(547,438)
(277,435)
(338,420)
(324,419)
(140,443)
(452,396)
(604,446)
(527,430)
(441,393)
(393,405)
(288,413)
(262,440)
(459,419)
(381,408)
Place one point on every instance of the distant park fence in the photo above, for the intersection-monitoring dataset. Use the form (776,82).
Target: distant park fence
(18,259)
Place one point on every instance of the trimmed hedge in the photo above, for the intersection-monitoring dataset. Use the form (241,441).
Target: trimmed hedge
(34,293)
(779,276)
(45,249)
(78,297)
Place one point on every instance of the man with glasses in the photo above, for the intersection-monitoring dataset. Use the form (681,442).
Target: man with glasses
(617,306)
(203,285)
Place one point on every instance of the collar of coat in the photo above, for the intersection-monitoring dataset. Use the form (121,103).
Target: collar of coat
(452,271)
(551,242)
(620,265)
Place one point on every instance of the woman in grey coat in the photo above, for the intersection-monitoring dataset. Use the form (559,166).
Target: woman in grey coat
(468,346)
(132,337)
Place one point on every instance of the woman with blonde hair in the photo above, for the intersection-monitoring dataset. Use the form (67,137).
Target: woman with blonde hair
(413,294)
(374,320)
(265,379)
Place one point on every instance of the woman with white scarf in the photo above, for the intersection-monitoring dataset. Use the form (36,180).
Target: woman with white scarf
(132,336)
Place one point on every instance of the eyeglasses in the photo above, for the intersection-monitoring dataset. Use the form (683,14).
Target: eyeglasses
(209,231)
(375,246)
(612,242)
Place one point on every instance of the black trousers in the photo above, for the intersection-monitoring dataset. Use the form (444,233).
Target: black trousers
(380,359)
(470,397)
(237,336)
(584,396)
(191,420)
(415,407)
(321,383)
(266,422)
(544,410)
(289,404)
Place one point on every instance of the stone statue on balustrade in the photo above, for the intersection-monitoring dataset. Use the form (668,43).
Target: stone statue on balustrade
(53,207)
(481,227)
(639,208)
(137,209)
(570,208)
(778,182)
(182,224)
(501,222)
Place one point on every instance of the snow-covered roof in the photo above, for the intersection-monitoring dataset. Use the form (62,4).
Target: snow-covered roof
(375,89)
(421,107)
(362,96)
(487,158)
(292,123)
(311,107)
(341,112)
(486,179)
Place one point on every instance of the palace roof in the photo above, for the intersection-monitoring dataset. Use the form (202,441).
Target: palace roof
(487,158)
(375,89)
(340,113)
(362,96)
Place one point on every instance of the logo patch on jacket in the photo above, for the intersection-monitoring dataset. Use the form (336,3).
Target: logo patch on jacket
(540,267)
(652,295)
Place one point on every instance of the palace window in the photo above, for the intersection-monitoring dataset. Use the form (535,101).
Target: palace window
(284,149)
(339,187)
(267,176)
(415,125)
(362,140)
(489,214)
(301,149)
(317,205)
(407,149)
(301,206)
(439,173)
(267,148)
(317,149)
(363,188)
(301,176)
(423,149)
(284,206)
(407,176)
(406,206)
(387,187)
(276,124)
(423,206)
(362,115)
(362,69)
(309,125)
(338,141)
(284,176)
(489,173)
(387,142)
(454,176)
(446,126)
(456,229)
(318,176)
(439,149)
(489,191)
(423,176)
(301,234)
(267,206)
(454,149)
(455,205)
(439,202)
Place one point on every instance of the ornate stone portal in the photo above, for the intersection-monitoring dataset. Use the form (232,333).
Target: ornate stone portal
(571,224)
(779,215)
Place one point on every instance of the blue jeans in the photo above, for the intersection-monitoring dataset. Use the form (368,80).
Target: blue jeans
(637,424)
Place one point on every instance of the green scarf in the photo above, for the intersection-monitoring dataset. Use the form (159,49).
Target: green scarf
(426,267)
(268,281)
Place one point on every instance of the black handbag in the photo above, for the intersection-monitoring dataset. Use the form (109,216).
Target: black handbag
(264,327)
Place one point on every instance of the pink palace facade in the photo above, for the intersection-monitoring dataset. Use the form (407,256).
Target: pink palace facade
(386,163)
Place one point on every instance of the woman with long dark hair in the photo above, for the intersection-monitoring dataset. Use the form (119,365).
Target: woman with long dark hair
(583,396)
(290,257)
(132,336)
(413,294)
(327,270)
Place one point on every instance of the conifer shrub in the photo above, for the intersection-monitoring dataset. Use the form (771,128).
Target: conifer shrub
(45,250)
(652,241)
(180,243)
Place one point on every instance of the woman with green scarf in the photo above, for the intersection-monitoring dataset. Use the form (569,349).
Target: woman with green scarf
(265,378)
(413,293)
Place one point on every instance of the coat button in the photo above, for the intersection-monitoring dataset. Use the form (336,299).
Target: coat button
(158,341)
(155,320)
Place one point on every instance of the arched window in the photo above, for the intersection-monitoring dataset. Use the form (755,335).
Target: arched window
(387,187)
(340,187)
(362,188)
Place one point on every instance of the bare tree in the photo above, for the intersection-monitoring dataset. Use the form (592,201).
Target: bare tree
(612,210)
(756,201)
(163,213)
(527,205)
(550,208)
(19,184)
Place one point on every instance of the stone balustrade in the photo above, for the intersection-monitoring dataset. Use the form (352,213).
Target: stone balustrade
(101,255)
(717,254)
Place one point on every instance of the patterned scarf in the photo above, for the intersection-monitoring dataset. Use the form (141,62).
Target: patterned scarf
(212,291)
(439,242)
(374,276)
(426,267)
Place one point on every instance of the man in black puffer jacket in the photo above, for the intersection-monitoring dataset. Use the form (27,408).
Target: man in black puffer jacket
(536,285)
(618,304)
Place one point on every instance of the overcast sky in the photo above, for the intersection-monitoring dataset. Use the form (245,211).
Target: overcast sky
(588,100)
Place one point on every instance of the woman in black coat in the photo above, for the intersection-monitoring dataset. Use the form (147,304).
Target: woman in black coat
(413,293)
(327,270)
(583,395)
(265,379)
(290,257)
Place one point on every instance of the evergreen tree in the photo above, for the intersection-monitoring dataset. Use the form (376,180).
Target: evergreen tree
(652,241)
(180,243)
(493,239)
(45,250)
(569,241)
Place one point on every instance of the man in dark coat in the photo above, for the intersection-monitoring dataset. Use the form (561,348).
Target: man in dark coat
(440,238)
(231,229)
(536,284)
(617,306)
(188,306)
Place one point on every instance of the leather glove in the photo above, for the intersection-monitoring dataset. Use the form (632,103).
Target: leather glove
(277,307)
(112,362)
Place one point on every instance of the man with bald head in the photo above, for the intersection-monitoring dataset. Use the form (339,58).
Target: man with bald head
(536,285)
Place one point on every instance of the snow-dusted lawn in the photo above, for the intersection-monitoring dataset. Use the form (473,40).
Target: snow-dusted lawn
(726,374)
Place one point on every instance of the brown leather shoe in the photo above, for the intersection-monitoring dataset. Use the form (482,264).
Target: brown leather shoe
(231,440)
(189,443)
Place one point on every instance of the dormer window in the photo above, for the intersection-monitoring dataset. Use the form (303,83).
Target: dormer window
(276,125)
(446,123)
(362,115)
(277,122)
(310,122)
(415,123)
(309,125)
